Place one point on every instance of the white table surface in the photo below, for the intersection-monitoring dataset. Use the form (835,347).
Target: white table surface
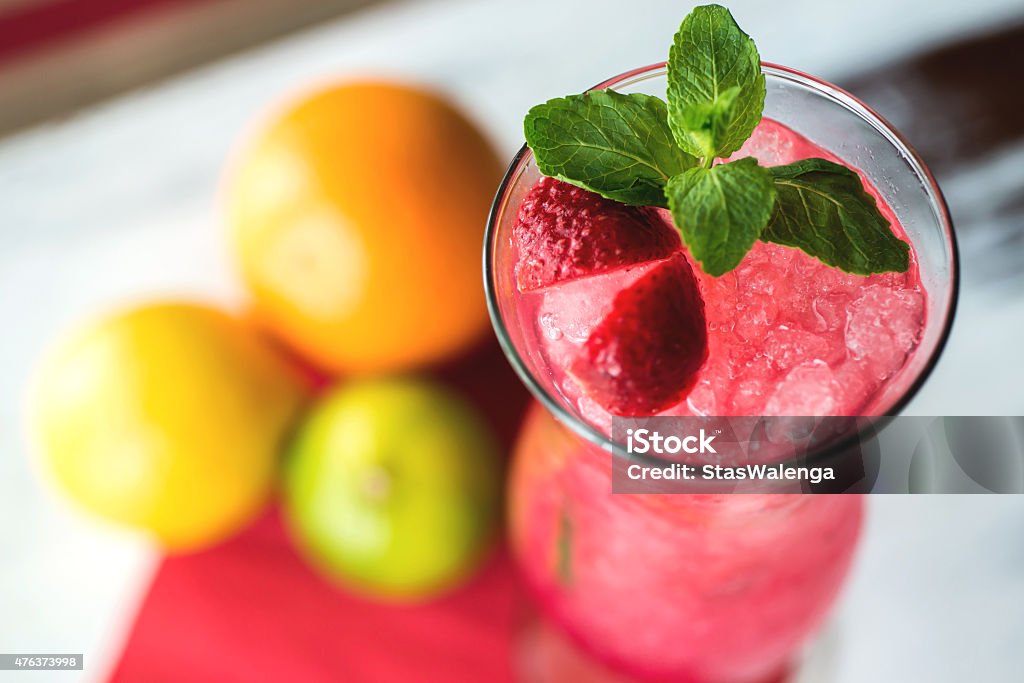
(118,203)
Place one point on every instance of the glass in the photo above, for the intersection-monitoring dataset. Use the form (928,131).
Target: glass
(701,588)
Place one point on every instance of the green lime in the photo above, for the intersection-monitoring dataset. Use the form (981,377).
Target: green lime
(392,487)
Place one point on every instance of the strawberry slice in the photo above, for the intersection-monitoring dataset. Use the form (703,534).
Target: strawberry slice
(564,232)
(644,356)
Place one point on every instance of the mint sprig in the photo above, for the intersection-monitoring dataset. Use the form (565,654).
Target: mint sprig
(636,149)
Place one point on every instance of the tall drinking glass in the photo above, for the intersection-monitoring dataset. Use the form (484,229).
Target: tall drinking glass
(700,588)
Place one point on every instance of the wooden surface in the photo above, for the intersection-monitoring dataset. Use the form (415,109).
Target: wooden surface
(959,107)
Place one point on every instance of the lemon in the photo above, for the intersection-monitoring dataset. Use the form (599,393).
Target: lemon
(166,418)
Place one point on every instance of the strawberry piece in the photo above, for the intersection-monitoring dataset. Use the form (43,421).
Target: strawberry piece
(563,232)
(644,356)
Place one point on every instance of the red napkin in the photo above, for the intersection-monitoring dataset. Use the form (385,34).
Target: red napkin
(251,610)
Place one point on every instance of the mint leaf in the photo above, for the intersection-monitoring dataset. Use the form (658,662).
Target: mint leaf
(721,211)
(715,86)
(823,209)
(616,145)
(707,123)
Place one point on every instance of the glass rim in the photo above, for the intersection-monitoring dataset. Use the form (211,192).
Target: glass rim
(839,96)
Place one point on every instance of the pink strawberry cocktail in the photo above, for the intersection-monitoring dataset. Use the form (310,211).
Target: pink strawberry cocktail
(604,312)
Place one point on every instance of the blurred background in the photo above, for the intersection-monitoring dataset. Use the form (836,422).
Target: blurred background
(116,120)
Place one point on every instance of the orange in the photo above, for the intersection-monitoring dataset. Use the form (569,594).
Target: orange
(357,215)
(167,418)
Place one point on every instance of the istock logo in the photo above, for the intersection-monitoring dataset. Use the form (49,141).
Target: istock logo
(647,441)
